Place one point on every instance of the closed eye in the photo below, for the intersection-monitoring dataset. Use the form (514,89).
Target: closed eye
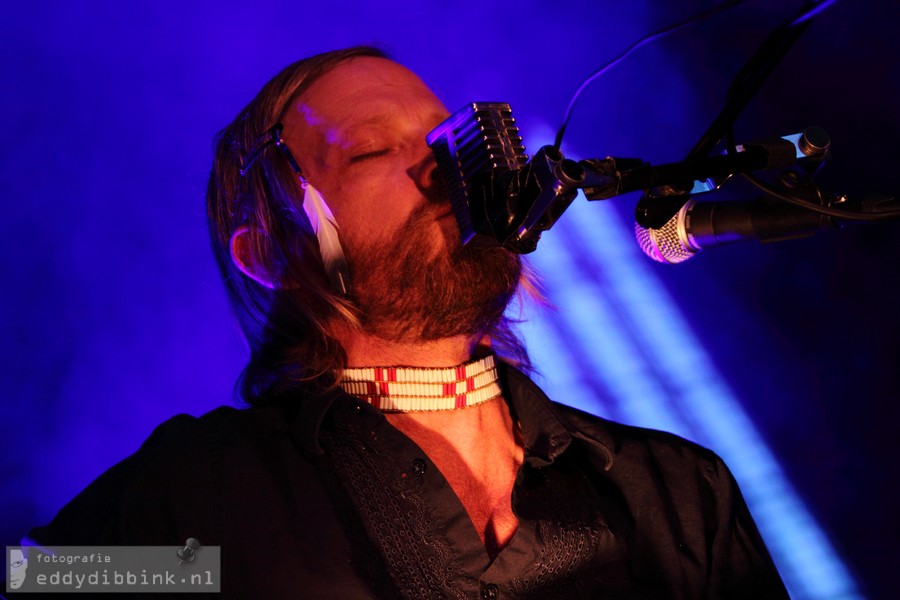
(368,155)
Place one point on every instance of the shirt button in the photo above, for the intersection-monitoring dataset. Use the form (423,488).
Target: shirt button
(489,591)
(419,466)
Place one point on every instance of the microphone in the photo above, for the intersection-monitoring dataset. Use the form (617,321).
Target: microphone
(475,148)
(700,225)
(500,196)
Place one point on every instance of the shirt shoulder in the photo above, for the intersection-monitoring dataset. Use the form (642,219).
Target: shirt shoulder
(655,462)
(681,496)
(617,445)
(630,443)
(169,486)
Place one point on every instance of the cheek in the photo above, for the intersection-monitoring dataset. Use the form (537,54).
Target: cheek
(372,208)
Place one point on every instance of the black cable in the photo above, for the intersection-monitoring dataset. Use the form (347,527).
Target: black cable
(745,85)
(644,40)
(754,73)
(803,202)
(844,215)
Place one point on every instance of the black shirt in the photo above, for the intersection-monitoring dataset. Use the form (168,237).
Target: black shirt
(320,497)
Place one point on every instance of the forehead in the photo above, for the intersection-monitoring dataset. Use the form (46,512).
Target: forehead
(361,90)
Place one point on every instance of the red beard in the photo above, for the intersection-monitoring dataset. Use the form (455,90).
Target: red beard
(408,292)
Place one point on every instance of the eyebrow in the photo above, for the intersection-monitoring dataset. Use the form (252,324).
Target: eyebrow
(334,137)
(339,131)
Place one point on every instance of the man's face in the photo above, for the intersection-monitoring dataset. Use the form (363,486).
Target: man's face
(18,564)
(359,135)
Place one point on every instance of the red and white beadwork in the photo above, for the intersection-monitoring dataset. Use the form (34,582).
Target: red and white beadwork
(407,389)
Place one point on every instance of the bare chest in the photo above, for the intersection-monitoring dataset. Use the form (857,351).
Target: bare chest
(479,454)
(487,501)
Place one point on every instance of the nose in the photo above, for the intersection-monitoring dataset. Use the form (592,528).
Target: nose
(427,178)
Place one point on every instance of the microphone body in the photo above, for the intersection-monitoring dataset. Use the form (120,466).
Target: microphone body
(500,196)
(478,148)
(700,225)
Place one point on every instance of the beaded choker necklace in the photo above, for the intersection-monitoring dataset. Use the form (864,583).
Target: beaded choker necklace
(411,389)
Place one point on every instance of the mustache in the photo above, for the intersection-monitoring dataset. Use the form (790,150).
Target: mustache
(424,214)
(428,212)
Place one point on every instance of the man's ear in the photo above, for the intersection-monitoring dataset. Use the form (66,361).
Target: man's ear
(246,258)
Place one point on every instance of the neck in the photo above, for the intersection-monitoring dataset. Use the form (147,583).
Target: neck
(366,350)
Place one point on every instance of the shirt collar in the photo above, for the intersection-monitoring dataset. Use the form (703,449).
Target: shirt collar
(546,431)
(308,418)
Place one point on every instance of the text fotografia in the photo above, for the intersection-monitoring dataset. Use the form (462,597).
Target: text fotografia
(186,566)
(115,578)
(74,558)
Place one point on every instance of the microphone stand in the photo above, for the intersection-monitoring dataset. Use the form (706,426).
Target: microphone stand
(750,78)
(670,186)
(537,195)
(501,197)
(549,182)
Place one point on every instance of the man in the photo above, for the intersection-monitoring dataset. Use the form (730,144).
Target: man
(386,451)
(18,567)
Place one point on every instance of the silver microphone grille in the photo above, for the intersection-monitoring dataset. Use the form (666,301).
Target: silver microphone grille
(665,244)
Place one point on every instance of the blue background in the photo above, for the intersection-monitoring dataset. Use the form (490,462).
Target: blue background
(113,316)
